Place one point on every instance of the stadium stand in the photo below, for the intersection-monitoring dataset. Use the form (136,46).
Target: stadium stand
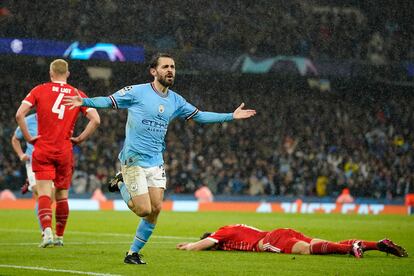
(301,143)
(315,29)
(361,140)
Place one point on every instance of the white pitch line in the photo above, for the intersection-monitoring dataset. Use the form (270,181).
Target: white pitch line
(99,234)
(57,270)
(77,243)
(127,235)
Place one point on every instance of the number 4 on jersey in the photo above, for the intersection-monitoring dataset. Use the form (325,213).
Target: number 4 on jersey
(58,107)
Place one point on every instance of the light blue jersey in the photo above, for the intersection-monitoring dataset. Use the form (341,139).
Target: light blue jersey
(149,114)
(31,122)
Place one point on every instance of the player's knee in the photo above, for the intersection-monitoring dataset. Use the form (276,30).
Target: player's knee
(301,247)
(131,205)
(156,209)
(142,212)
(313,241)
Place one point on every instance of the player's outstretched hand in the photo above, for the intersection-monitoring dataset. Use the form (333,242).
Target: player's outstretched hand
(241,113)
(182,245)
(72,101)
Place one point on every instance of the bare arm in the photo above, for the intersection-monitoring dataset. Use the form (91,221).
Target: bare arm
(94,122)
(17,147)
(20,118)
(196,246)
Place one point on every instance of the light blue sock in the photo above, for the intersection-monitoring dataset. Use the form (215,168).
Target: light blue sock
(124,192)
(144,232)
(36,213)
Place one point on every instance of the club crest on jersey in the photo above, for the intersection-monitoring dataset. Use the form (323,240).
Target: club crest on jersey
(161,108)
(124,90)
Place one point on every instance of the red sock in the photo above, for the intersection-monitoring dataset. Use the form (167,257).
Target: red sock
(349,242)
(369,245)
(61,215)
(44,211)
(323,248)
(366,245)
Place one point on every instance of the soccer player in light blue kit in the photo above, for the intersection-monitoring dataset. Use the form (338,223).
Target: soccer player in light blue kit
(26,156)
(151,107)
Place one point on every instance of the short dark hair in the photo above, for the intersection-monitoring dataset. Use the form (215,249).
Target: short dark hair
(154,60)
(205,235)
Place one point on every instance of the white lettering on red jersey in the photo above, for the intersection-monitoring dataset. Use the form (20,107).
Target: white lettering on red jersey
(55,120)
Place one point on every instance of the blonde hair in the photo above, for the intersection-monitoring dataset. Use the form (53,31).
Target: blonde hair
(59,67)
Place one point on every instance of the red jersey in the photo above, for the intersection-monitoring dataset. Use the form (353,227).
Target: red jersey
(55,121)
(237,237)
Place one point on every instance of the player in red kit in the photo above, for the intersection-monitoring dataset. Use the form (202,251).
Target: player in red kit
(52,159)
(284,240)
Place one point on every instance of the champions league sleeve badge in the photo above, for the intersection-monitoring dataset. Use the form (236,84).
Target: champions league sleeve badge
(124,90)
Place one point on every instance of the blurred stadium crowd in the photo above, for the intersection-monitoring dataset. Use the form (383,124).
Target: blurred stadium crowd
(372,30)
(301,143)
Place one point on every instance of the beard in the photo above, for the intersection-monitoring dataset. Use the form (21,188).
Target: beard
(165,81)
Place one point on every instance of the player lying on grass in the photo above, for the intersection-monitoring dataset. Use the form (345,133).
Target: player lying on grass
(284,240)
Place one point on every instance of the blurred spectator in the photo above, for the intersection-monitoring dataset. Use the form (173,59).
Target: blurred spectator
(321,184)
(203,194)
(345,197)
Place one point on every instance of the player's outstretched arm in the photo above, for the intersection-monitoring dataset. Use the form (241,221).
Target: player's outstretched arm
(97,102)
(196,246)
(241,113)
(205,117)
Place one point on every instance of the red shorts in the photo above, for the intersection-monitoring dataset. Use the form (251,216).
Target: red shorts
(282,240)
(53,166)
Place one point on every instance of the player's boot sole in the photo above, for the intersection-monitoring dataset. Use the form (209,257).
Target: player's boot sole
(113,183)
(388,246)
(47,243)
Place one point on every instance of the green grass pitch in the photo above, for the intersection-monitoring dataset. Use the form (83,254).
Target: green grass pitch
(95,244)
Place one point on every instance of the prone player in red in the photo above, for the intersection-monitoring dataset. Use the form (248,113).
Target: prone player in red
(52,159)
(241,237)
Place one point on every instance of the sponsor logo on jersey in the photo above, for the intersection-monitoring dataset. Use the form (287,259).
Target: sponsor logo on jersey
(154,124)
(159,117)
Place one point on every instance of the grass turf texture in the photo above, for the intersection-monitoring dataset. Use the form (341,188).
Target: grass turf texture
(97,241)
